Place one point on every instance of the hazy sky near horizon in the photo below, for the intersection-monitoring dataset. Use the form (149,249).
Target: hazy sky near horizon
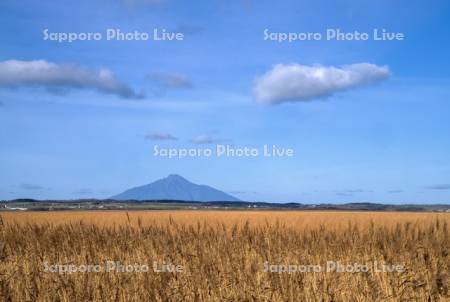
(368,120)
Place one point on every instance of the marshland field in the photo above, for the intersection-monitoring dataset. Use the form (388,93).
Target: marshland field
(224,256)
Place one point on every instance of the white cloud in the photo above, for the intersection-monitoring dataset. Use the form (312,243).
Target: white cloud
(31,187)
(295,82)
(439,187)
(41,73)
(159,136)
(207,139)
(170,80)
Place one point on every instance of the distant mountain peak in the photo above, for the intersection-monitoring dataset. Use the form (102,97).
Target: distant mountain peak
(174,187)
(175,177)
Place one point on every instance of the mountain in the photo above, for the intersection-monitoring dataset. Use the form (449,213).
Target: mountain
(174,187)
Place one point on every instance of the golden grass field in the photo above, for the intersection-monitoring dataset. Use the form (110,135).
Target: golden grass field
(224,255)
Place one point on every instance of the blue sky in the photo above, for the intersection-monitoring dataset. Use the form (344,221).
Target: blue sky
(376,132)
